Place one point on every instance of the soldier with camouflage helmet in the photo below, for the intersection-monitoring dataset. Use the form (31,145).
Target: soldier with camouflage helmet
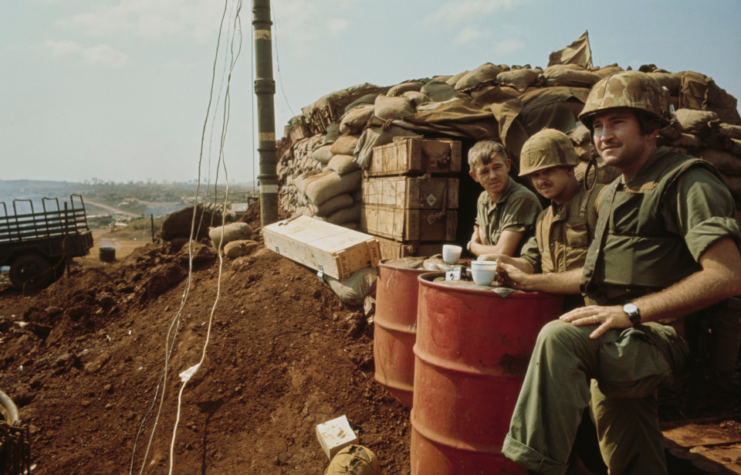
(564,230)
(666,245)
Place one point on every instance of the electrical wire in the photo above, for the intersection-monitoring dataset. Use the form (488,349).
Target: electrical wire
(222,159)
(190,251)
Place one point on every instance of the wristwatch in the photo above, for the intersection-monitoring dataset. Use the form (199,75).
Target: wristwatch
(633,313)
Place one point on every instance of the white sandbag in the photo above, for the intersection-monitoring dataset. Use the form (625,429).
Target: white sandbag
(473,79)
(696,122)
(416,98)
(305,211)
(354,121)
(229,232)
(519,79)
(393,108)
(322,154)
(367,99)
(239,248)
(345,145)
(342,164)
(439,91)
(353,290)
(375,136)
(346,215)
(333,204)
(332,185)
(400,89)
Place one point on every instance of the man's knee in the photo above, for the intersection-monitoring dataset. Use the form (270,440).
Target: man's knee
(558,333)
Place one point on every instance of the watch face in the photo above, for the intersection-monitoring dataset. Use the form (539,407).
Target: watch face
(630,308)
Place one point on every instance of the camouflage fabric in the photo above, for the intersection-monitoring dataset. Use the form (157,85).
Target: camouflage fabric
(546,149)
(631,89)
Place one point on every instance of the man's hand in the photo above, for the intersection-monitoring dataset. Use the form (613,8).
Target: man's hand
(605,317)
(513,277)
(491,257)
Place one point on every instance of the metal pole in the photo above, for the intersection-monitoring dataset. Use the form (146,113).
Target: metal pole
(265,90)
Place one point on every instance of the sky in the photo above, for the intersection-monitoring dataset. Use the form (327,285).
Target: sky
(118,90)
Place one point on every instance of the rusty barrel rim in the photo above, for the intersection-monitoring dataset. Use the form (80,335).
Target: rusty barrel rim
(426,280)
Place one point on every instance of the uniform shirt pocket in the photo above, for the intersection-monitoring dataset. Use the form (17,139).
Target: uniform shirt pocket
(577,235)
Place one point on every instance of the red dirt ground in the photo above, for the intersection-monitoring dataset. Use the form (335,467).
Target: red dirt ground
(278,363)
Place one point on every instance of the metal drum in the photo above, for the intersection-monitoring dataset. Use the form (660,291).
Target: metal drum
(472,352)
(395,329)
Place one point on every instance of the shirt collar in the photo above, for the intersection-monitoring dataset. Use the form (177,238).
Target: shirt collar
(640,177)
(558,211)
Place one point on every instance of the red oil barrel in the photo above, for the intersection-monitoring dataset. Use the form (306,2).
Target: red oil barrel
(472,352)
(395,329)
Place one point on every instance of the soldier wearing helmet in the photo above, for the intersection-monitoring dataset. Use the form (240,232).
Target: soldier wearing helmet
(666,245)
(564,230)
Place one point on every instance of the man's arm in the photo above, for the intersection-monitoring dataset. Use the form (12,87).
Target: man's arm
(557,283)
(719,279)
(507,245)
(523,264)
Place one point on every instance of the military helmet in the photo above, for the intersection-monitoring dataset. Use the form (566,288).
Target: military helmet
(547,149)
(626,89)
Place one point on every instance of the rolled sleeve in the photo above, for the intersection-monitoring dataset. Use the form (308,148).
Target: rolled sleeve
(702,210)
(531,253)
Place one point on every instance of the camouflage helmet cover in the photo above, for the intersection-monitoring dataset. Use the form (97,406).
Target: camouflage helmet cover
(626,89)
(547,149)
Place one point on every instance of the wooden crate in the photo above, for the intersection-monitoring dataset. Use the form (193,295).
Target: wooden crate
(409,224)
(394,249)
(411,192)
(339,251)
(416,156)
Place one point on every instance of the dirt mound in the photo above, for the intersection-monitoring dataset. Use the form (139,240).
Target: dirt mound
(178,224)
(86,369)
(252,216)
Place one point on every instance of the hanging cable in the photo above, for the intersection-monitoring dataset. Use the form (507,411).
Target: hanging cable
(190,249)
(186,375)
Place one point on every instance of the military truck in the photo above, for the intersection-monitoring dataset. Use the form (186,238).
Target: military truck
(38,245)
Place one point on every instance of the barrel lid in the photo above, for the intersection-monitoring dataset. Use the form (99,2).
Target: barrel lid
(437,280)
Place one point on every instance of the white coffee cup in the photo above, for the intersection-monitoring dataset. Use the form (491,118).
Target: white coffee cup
(451,253)
(483,272)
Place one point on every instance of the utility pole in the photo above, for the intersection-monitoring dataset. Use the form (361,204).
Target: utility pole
(265,91)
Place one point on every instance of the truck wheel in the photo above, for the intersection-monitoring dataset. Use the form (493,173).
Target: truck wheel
(31,272)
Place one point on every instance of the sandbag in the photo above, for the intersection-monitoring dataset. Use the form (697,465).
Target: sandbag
(345,145)
(473,79)
(393,108)
(441,78)
(439,91)
(580,135)
(342,164)
(689,142)
(607,70)
(725,162)
(366,99)
(671,81)
(332,185)
(400,89)
(353,290)
(354,121)
(453,80)
(323,154)
(333,132)
(309,178)
(228,233)
(605,174)
(374,137)
(733,131)
(696,121)
(416,98)
(239,248)
(333,204)
(567,75)
(179,223)
(519,79)
(345,215)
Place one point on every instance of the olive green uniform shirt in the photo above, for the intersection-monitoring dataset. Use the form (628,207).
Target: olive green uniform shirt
(516,211)
(563,233)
